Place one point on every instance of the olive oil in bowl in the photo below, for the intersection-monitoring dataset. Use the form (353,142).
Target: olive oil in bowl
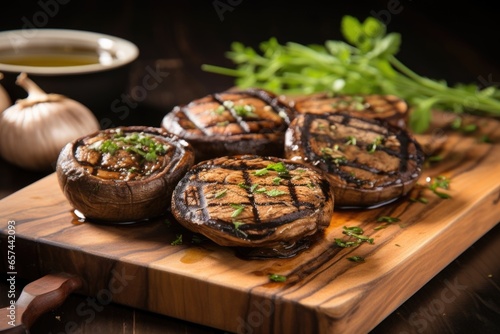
(50,60)
(55,57)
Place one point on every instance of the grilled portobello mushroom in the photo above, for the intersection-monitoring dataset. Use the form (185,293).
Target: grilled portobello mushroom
(386,107)
(233,122)
(369,162)
(262,206)
(123,174)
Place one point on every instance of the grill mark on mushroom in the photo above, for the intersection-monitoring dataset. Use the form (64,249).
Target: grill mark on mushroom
(387,107)
(251,121)
(370,162)
(98,182)
(302,206)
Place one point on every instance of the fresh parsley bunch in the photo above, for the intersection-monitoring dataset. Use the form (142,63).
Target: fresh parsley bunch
(363,64)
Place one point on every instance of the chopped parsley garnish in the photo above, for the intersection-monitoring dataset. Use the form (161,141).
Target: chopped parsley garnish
(387,220)
(351,140)
(420,199)
(435,158)
(277,167)
(237,225)
(434,185)
(238,209)
(221,193)
(333,155)
(357,103)
(254,188)
(246,110)
(177,241)
(219,110)
(224,123)
(275,192)
(338,160)
(356,233)
(484,139)
(371,148)
(261,172)
(277,278)
(439,182)
(138,143)
(458,124)
(108,146)
(356,258)
(259,190)
(327,151)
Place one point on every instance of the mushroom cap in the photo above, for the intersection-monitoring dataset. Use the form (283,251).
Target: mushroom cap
(115,200)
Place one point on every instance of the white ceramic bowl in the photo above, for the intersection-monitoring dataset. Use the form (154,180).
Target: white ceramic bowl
(90,67)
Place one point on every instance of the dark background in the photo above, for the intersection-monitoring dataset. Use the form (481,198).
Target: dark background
(456,43)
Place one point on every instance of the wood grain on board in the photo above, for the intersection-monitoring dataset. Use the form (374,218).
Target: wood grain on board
(137,265)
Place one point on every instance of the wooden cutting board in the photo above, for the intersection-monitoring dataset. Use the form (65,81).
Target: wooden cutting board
(324,292)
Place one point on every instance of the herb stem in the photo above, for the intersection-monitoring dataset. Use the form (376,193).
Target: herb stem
(365,64)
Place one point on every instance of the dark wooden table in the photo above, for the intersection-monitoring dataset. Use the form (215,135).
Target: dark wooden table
(438,41)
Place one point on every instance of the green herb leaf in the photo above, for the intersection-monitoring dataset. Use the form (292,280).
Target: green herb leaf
(277,278)
(356,233)
(237,225)
(346,244)
(388,219)
(277,167)
(108,146)
(439,182)
(246,110)
(275,192)
(351,140)
(365,63)
(177,241)
(221,193)
(356,258)
(371,148)
(238,209)
(261,172)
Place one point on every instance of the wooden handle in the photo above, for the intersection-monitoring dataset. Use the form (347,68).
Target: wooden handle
(37,298)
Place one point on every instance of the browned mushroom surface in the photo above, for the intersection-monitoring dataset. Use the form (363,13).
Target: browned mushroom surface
(233,122)
(123,174)
(368,162)
(389,108)
(268,206)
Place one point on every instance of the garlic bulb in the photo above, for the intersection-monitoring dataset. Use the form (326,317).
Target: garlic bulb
(5,100)
(35,129)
